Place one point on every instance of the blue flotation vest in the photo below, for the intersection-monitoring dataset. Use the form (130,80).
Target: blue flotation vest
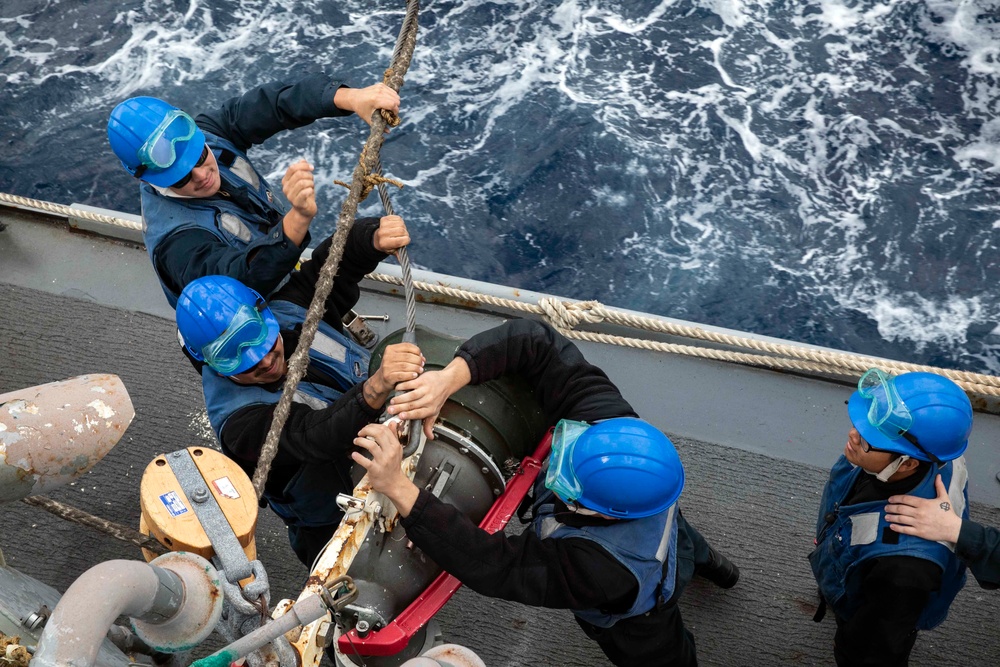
(642,546)
(310,497)
(163,214)
(849,535)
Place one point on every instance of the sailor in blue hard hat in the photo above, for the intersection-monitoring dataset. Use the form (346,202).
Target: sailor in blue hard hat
(242,344)
(884,586)
(206,208)
(607,540)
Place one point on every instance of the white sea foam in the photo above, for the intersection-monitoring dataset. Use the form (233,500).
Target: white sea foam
(971,27)
(909,316)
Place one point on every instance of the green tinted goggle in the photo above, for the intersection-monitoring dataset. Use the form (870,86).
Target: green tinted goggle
(247,330)
(159,151)
(561,478)
(887,411)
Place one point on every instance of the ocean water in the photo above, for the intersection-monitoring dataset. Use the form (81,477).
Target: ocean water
(825,171)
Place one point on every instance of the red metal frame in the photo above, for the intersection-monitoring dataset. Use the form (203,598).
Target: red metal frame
(394,637)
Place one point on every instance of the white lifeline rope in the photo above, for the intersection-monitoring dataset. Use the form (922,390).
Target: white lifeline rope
(564,315)
(68,211)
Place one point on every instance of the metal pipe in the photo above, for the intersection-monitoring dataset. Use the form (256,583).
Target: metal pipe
(174,603)
(90,606)
(129,643)
(303,612)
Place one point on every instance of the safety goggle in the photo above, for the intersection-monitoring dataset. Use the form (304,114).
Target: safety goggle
(247,329)
(159,152)
(560,478)
(887,411)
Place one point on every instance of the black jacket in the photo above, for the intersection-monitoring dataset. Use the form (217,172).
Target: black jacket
(979,547)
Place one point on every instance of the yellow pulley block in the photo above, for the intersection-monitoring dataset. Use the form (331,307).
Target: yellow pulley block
(168,514)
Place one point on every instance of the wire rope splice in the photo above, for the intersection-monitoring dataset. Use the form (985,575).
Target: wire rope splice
(410,336)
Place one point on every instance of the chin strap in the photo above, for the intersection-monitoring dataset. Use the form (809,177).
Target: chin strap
(891,469)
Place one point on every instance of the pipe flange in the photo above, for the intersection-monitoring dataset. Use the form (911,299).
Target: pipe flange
(200,612)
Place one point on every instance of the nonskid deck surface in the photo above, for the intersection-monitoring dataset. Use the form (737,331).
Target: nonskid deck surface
(757,509)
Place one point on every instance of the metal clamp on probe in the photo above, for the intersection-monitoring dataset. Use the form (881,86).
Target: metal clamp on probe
(359,329)
(339,593)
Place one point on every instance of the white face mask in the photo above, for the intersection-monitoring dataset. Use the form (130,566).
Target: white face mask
(890,469)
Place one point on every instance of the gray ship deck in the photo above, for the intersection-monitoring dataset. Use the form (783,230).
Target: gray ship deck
(756,445)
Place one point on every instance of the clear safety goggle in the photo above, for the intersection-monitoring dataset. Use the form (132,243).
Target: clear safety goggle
(247,329)
(887,412)
(158,151)
(560,478)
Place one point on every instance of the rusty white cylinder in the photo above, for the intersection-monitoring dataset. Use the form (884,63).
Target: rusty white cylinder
(53,433)
(197,616)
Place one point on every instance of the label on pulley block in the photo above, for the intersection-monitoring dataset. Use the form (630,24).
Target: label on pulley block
(173,503)
(225,488)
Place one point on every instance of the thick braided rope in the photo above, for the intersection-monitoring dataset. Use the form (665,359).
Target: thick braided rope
(852,362)
(738,357)
(115,530)
(68,211)
(324,285)
(565,315)
(701,352)
(568,314)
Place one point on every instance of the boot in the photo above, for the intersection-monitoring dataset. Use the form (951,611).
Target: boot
(719,570)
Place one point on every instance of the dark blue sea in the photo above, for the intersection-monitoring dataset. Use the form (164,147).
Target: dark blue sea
(825,171)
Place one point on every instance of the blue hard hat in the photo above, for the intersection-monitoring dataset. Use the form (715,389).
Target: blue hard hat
(922,415)
(622,467)
(155,141)
(225,324)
